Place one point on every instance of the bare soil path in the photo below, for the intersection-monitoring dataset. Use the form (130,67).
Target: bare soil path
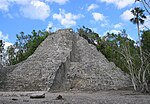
(76,97)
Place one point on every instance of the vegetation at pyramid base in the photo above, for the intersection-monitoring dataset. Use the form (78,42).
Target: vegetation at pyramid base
(146,41)
(110,45)
(131,57)
(117,48)
(125,53)
(25,46)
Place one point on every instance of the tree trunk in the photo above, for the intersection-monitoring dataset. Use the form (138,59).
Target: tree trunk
(144,88)
(133,82)
(141,54)
(143,85)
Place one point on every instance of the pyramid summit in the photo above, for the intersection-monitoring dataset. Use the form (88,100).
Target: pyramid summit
(65,61)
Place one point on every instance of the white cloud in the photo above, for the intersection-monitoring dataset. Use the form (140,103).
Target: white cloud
(3,37)
(61,2)
(118,26)
(112,31)
(146,24)
(22,2)
(4,5)
(129,37)
(116,32)
(50,25)
(98,16)
(94,29)
(7,44)
(104,24)
(92,7)
(127,15)
(66,19)
(119,3)
(35,10)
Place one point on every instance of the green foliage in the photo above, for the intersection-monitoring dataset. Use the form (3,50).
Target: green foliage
(1,46)
(117,48)
(111,46)
(25,46)
(146,41)
(143,70)
(146,46)
(138,19)
(125,53)
(1,51)
(89,35)
(11,55)
(139,16)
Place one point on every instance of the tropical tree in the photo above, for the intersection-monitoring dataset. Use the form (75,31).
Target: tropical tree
(25,45)
(11,54)
(89,35)
(141,76)
(138,19)
(146,47)
(146,41)
(121,50)
(115,47)
(1,50)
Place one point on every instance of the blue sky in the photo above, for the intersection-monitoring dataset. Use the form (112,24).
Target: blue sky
(99,15)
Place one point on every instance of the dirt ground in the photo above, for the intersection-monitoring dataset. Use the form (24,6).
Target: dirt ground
(76,97)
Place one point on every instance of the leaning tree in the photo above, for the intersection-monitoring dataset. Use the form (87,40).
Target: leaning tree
(138,19)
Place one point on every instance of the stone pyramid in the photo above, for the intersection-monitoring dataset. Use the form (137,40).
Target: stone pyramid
(66,61)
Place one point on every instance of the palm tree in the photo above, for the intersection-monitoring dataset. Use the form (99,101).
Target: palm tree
(138,19)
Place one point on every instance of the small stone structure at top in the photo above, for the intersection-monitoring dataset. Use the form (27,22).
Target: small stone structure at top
(65,61)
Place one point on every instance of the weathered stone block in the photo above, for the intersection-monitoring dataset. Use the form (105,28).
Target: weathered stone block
(66,61)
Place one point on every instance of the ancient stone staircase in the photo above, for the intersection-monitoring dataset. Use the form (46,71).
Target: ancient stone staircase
(66,61)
